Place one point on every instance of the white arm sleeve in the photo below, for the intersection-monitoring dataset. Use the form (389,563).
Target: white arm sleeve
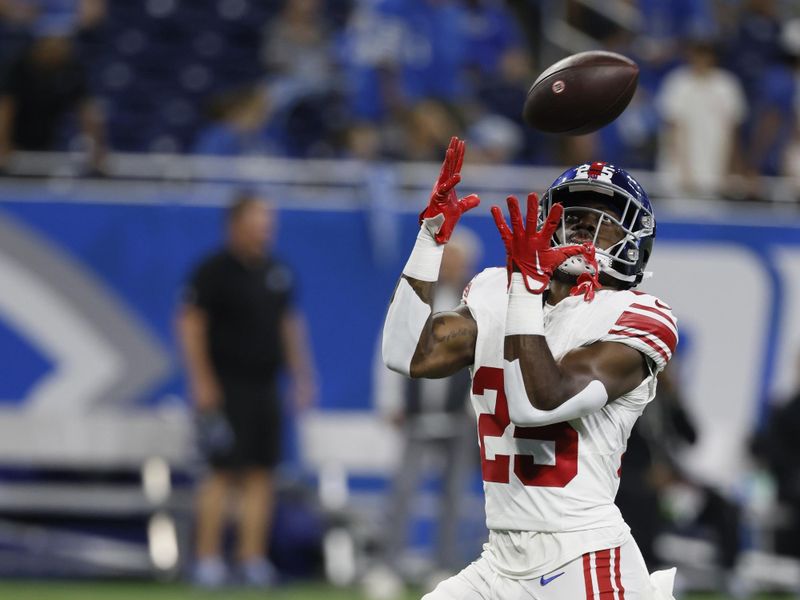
(407,313)
(591,399)
(405,320)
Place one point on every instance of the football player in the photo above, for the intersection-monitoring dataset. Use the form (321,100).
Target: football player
(563,353)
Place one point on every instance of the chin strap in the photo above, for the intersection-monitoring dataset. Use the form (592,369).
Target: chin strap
(586,285)
(588,281)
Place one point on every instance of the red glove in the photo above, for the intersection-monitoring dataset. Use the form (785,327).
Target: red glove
(529,251)
(443,200)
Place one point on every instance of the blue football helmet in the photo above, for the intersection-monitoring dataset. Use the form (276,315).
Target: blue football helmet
(605,183)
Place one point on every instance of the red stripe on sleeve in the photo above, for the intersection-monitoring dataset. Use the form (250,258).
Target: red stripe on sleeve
(649,325)
(587,576)
(617,576)
(602,564)
(658,302)
(661,313)
(644,339)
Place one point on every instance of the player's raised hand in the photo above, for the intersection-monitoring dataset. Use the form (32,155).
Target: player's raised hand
(530,251)
(445,208)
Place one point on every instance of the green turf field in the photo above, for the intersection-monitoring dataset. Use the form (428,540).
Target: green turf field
(153,591)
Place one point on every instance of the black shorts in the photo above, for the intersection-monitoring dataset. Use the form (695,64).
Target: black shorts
(253,410)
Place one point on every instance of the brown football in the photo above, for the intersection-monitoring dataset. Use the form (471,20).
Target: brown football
(581,93)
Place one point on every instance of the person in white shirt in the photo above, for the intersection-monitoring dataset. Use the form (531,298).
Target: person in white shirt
(702,107)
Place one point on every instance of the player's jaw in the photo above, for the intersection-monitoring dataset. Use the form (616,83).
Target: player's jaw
(593,225)
(581,236)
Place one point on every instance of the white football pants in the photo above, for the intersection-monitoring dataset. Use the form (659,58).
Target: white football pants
(613,574)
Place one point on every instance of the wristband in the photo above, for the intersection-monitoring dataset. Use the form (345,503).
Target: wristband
(525,314)
(426,257)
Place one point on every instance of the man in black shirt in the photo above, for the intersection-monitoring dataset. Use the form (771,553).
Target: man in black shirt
(237,328)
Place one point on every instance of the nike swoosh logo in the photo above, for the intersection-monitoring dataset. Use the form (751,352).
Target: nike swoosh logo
(545,580)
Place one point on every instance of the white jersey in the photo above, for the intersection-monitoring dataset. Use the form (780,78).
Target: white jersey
(561,478)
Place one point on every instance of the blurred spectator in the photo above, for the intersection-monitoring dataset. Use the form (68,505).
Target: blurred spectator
(43,87)
(775,113)
(436,426)
(494,139)
(237,328)
(427,128)
(19,12)
(632,138)
(363,141)
(298,55)
(400,52)
(505,88)
(650,463)
(755,44)
(241,125)
(16,17)
(654,475)
(490,31)
(296,50)
(503,92)
(778,444)
(702,107)
(434,50)
(371,51)
(663,28)
(90,13)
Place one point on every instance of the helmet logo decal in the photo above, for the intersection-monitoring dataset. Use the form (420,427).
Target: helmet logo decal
(596,170)
(599,171)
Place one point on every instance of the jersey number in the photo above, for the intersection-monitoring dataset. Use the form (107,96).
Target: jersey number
(527,471)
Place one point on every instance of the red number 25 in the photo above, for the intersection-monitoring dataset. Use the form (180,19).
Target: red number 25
(526,470)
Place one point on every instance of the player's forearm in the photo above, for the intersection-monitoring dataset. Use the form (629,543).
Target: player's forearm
(539,392)
(540,373)
(545,386)
(407,328)
(297,348)
(409,343)
(426,343)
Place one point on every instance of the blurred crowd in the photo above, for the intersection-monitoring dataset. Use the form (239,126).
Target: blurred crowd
(394,79)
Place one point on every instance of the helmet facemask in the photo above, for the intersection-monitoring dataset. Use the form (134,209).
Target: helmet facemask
(632,224)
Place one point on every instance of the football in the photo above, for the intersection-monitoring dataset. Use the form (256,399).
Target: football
(581,93)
